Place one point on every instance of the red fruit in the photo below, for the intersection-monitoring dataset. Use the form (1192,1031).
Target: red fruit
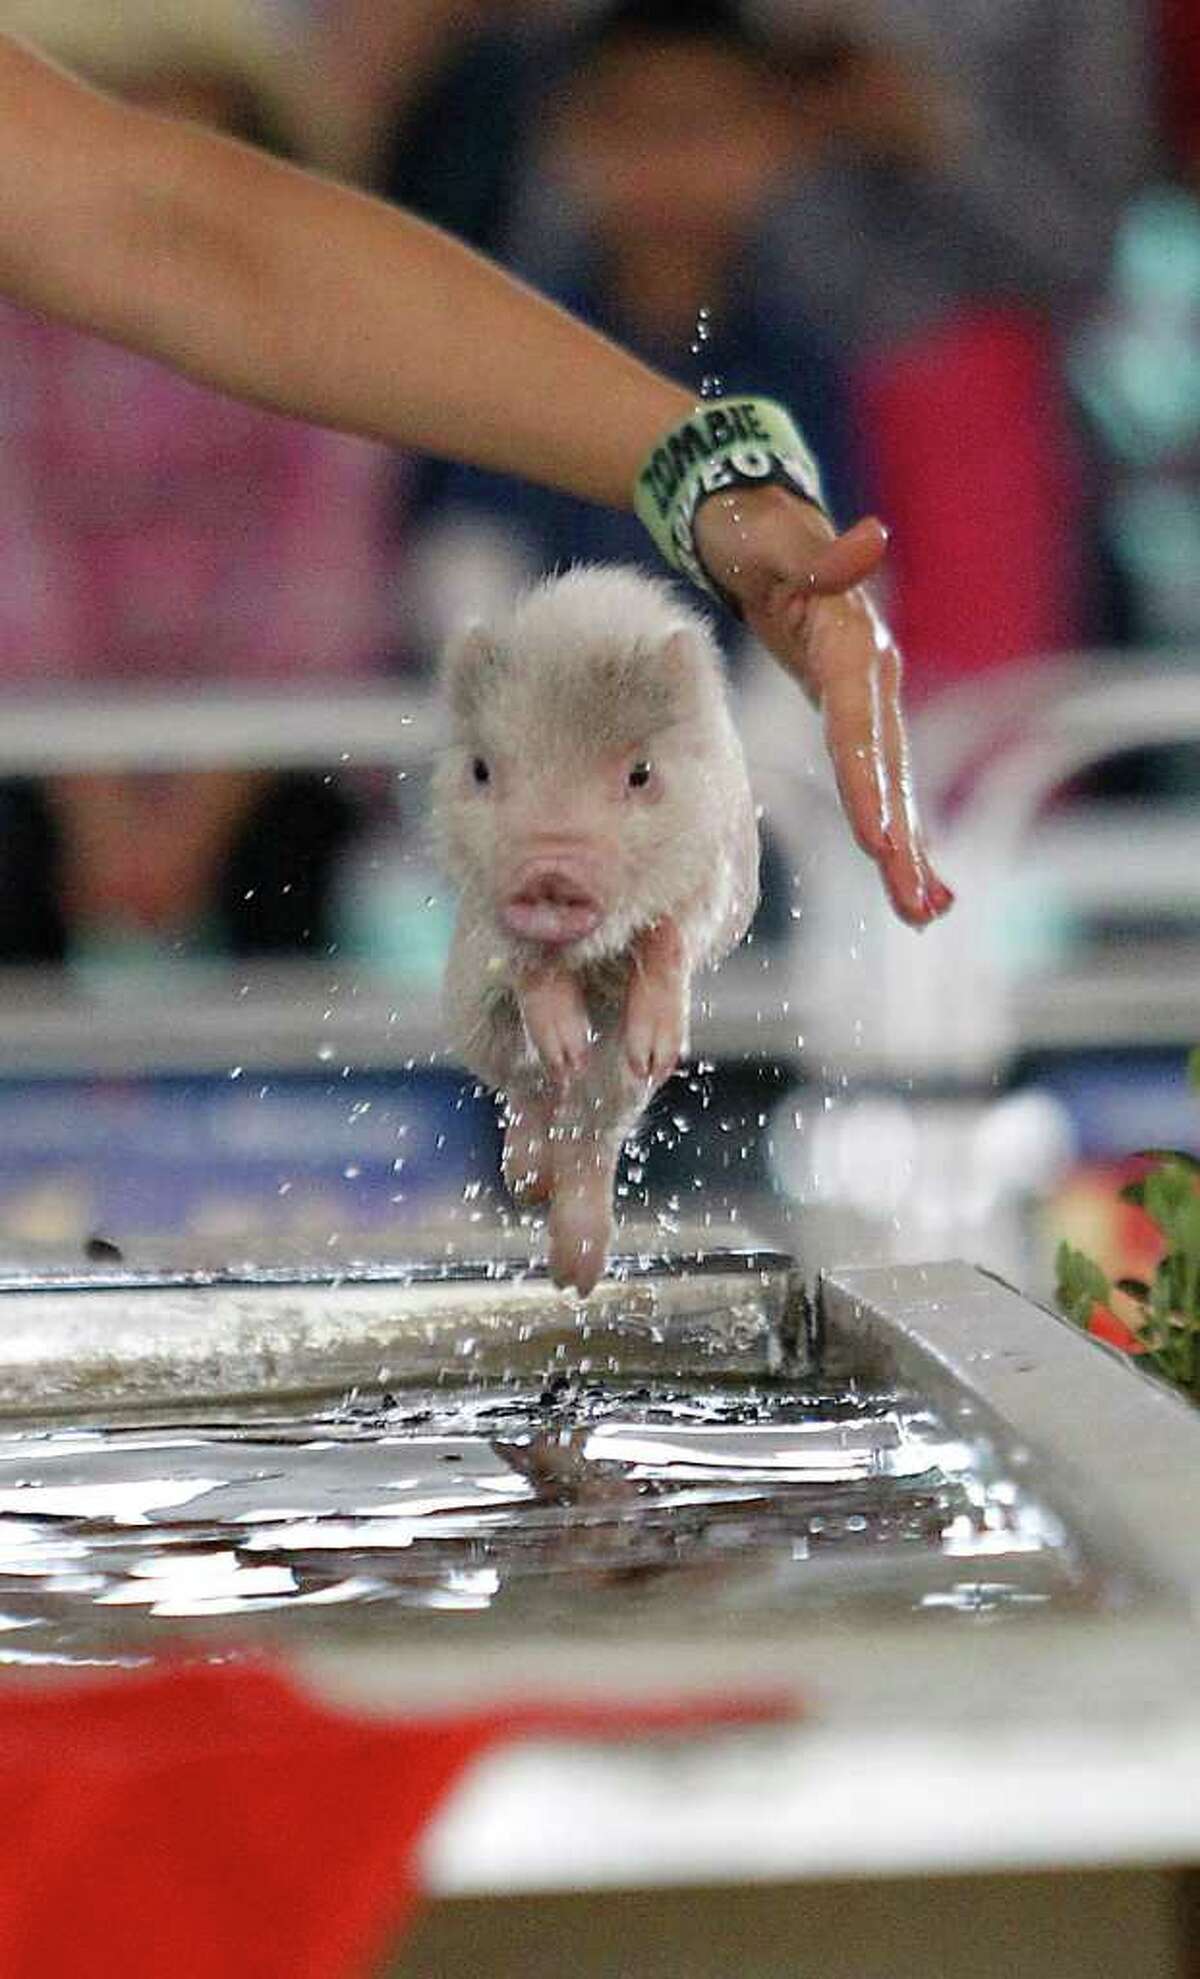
(1104,1325)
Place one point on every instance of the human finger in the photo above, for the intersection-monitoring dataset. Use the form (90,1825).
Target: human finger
(850,707)
(916,891)
(850,559)
(839,565)
(768,549)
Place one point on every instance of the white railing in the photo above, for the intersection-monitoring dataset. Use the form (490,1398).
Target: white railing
(866,995)
(212,1014)
(165,731)
(950,1003)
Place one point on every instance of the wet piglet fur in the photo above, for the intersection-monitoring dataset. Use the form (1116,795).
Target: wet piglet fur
(594,812)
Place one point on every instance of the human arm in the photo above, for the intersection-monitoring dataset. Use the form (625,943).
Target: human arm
(301,295)
(297,294)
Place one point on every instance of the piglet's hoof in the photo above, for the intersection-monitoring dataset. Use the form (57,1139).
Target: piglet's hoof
(556,1021)
(655,1034)
(580,1237)
(656,1004)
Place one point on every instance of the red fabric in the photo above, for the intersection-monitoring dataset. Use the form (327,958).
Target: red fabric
(209,1820)
(975,474)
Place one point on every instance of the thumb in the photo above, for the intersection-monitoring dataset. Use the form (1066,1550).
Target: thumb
(848,559)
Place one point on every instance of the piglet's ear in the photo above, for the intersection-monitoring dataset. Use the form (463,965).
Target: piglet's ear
(468,662)
(679,665)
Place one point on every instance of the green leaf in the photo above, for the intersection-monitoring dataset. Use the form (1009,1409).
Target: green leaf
(1173,1202)
(1162,1291)
(1187,1228)
(1178,1155)
(1081,1284)
(1169,1319)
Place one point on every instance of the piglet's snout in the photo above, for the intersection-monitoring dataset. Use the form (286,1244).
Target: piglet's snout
(555,899)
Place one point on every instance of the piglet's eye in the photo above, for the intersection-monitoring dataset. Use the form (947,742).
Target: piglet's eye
(639,776)
(480,771)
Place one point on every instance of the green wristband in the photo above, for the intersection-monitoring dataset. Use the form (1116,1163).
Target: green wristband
(724,443)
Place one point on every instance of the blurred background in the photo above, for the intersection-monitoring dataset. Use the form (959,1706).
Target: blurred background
(962,240)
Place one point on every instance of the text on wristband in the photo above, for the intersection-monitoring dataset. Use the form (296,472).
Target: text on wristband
(695,442)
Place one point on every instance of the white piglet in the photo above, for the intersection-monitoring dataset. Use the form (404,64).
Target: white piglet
(594,810)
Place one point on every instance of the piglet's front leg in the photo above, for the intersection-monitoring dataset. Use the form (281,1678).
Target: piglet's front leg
(555,1016)
(656,1003)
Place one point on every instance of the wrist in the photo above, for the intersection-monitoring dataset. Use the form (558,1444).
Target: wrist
(720,447)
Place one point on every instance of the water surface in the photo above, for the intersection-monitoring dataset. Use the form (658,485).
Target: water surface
(579,1503)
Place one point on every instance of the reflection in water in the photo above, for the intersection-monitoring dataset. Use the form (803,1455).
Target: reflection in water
(626,1505)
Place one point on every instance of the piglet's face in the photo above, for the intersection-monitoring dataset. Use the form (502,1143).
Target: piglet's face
(566,849)
(572,802)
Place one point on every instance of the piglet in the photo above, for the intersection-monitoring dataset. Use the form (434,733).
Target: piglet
(594,810)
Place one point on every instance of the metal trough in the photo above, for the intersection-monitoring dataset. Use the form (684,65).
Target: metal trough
(920,1443)
(991,1654)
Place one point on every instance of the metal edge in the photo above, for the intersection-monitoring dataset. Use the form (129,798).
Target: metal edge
(75,1351)
(636,1268)
(1115,1455)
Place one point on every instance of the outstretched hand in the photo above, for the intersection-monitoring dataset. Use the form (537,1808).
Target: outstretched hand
(799,587)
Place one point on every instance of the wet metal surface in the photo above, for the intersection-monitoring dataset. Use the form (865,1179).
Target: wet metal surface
(511,1508)
(112,1339)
